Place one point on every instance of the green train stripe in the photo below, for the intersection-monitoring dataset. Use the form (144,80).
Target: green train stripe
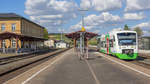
(126,56)
(103,51)
(122,56)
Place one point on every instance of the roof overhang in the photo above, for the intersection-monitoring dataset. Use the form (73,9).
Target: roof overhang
(8,35)
(76,35)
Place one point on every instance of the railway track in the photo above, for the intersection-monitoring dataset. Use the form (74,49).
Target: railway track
(146,56)
(8,60)
(12,71)
(139,61)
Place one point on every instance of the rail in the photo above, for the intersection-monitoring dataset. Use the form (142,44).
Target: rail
(10,59)
(11,66)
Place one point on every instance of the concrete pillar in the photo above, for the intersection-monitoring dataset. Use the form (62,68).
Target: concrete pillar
(7,43)
(4,49)
(23,43)
(29,44)
(10,43)
(36,44)
(0,43)
(87,49)
(74,44)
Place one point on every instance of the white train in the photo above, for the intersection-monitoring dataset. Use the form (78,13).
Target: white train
(123,44)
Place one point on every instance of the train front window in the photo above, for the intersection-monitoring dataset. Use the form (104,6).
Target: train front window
(126,38)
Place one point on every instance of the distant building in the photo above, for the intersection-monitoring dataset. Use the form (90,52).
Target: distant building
(61,44)
(19,32)
(49,43)
(145,42)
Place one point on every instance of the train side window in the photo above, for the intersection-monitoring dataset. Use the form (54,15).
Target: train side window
(114,38)
(102,44)
(111,43)
(105,45)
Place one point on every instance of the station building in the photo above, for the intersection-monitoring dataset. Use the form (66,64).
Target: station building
(145,41)
(18,32)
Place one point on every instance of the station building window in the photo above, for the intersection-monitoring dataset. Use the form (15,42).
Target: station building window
(3,44)
(13,27)
(2,27)
(13,43)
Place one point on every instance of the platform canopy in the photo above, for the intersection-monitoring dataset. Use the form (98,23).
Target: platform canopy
(76,35)
(8,35)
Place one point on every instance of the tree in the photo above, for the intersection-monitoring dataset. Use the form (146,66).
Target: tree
(139,31)
(126,27)
(45,33)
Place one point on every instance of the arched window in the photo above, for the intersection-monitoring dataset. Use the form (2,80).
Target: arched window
(13,27)
(13,43)
(3,44)
(2,27)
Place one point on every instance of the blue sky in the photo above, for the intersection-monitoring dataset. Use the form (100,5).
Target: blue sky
(16,6)
(102,15)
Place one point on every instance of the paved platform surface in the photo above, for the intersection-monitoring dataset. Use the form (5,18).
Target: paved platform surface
(95,70)
(144,51)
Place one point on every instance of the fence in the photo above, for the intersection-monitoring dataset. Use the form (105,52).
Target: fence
(144,43)
(7,50)
(146,46)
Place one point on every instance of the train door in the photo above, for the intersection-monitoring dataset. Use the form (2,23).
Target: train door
(114,45)
(107,45)
(111,44)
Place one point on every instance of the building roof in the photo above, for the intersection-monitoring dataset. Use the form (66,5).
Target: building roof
(8,35)
(76,35)
(9,15)
(16,16)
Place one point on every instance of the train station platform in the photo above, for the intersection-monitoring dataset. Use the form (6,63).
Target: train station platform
(144,51)
(68,69)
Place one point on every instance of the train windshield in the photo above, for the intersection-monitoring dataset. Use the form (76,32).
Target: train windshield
(127,38)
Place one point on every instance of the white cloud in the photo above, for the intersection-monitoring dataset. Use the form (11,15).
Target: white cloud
(143,25)
(137,5)
(116,29)
(101,5)
(109,17)
(51,13)
(93,22)
(146,32)
(134,16)
(96,31)
(85,4)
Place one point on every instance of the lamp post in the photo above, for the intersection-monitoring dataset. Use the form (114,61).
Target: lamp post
(62,29)
(61,33)
(83,10)
(82,34)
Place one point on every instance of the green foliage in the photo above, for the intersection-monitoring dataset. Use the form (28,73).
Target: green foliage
(45,33)
(93,41)
(139,31)
(57,36)
(126,27)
